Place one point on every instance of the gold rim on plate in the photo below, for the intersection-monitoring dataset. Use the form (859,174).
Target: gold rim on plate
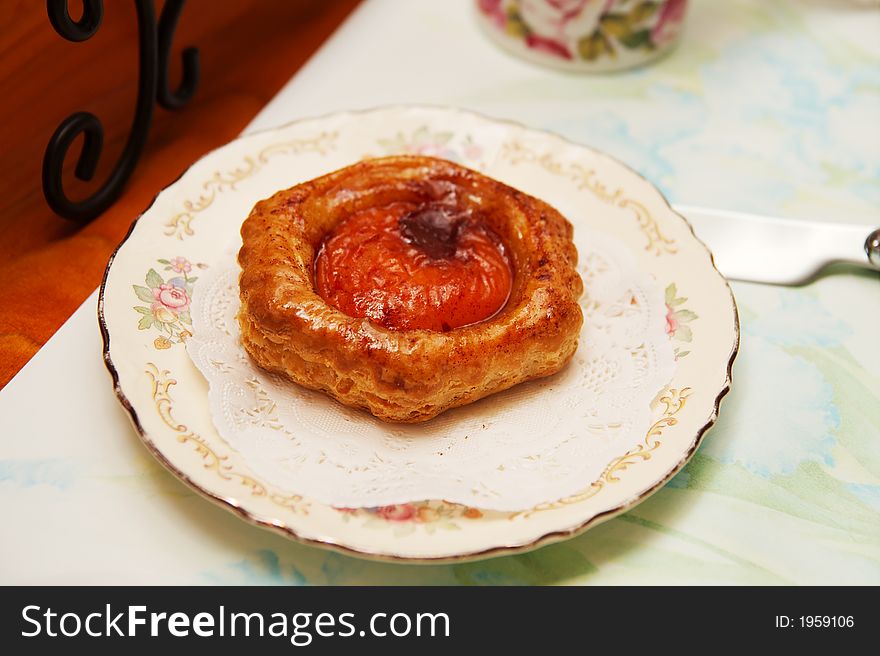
(142,386)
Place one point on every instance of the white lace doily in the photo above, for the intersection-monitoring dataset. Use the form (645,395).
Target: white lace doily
(535,443)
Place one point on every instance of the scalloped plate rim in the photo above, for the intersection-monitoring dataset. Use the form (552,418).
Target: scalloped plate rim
(234,504)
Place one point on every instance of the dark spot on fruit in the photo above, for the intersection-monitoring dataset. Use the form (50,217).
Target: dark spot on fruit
(434,230)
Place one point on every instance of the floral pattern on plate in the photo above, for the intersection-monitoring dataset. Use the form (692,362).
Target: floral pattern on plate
(407,517)
(678,318)
(445,144)
(167,302)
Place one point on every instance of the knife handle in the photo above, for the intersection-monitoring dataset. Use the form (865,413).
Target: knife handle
(872,248)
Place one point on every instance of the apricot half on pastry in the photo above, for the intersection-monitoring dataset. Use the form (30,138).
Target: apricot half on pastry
(407,286)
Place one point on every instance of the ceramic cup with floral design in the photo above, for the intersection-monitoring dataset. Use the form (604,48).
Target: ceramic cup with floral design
(584,35)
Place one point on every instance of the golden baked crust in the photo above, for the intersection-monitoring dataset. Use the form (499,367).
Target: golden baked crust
(405,375)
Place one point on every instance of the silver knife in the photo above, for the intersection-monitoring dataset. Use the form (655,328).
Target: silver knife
(780,251)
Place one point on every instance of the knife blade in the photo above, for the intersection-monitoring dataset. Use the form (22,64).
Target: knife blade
(780,251)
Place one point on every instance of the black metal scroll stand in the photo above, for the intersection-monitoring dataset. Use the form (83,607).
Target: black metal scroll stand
(154,53)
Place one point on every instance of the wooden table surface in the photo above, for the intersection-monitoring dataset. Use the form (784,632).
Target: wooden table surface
(48,265)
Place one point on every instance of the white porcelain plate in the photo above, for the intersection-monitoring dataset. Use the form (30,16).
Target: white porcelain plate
(144,316)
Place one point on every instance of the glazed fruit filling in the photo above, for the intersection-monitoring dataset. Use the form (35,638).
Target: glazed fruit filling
(407,266)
